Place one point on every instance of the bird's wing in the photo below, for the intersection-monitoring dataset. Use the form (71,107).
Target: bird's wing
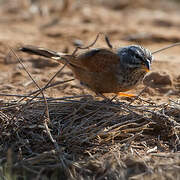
(96,60)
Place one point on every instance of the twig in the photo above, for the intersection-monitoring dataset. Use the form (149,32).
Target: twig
(167,47)
(40,97)
(46,86)
(93,43)
(45,101)
(137,97)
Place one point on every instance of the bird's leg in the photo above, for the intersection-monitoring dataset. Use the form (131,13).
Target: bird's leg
(105,98)
(101,95)
(125,94)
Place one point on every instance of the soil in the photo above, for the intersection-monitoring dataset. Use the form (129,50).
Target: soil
(60,27)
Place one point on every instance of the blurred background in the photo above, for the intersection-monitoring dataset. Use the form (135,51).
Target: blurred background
(59,22)
(63,24)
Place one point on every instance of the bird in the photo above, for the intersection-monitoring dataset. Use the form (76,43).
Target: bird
(104,70)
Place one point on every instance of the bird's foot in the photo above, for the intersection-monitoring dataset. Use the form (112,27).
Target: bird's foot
(125,94)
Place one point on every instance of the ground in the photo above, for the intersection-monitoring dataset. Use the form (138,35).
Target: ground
(60,26)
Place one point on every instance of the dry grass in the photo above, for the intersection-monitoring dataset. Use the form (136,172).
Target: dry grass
(87,139)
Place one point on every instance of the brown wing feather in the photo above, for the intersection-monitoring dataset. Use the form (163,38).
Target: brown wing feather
(96,60)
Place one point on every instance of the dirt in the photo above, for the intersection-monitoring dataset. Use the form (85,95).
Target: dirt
(145,24)
(61,25)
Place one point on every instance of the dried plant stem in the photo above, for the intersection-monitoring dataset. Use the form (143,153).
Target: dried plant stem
(45,101)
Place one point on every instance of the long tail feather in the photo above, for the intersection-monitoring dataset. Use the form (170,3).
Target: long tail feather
(41,52)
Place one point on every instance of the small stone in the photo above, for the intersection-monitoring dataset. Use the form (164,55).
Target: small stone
(158,79)
(77,43)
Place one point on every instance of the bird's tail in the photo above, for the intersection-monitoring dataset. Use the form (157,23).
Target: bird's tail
(42,52)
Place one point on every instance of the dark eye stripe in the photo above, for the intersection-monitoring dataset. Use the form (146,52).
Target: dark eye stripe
(137,56)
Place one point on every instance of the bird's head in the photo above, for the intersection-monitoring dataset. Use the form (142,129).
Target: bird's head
(135,57)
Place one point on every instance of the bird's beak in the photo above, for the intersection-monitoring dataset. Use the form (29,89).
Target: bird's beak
(147,65)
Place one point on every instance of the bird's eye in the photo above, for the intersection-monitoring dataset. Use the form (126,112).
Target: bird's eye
(137,56)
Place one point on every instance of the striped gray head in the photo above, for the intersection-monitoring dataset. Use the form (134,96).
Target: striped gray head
(135,57)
